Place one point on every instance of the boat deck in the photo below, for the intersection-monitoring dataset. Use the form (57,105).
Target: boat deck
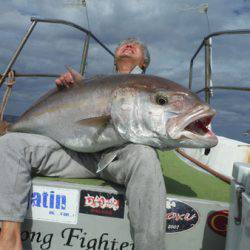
(180,179)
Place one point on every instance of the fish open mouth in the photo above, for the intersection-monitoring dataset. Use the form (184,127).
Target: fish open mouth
(200,126)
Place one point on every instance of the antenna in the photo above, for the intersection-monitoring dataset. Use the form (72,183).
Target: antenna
(202,8)
(82,3)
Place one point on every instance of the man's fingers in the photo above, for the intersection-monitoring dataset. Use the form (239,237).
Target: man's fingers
(65,80)
(58,82)
(68,78)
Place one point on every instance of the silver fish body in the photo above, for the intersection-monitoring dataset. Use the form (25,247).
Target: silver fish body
(104,112)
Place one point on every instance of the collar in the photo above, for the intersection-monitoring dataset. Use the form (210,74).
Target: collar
(136,70)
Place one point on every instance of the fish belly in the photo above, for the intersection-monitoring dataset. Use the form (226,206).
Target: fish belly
(93,140)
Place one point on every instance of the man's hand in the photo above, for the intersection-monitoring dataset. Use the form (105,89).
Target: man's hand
(65,80)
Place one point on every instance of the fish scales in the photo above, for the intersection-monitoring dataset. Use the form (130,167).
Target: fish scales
(109,111)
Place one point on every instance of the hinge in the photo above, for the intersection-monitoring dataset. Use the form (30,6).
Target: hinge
(239,191)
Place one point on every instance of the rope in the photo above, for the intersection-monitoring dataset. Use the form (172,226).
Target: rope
(10,83)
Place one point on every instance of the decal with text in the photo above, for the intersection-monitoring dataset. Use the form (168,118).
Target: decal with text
(180,216)
(74,238)
(102,203)
(53,204)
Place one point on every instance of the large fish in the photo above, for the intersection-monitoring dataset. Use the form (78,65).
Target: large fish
(109,111)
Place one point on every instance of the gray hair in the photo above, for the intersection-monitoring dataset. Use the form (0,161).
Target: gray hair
(144,47)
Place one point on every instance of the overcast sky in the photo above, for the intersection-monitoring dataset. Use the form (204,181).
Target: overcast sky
(172,29)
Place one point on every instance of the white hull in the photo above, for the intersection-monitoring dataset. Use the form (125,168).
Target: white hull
(222,157)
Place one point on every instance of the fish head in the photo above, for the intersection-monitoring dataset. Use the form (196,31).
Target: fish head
(157,112)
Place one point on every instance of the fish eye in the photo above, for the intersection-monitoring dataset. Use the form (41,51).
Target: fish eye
(161,100)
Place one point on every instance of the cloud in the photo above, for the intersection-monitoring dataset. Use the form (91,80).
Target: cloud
(172,36)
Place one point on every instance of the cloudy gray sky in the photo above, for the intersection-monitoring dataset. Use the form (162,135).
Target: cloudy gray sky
(172,29)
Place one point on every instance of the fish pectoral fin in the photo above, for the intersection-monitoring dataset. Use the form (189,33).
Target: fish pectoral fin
(100,121)
(77,77)
(105,161)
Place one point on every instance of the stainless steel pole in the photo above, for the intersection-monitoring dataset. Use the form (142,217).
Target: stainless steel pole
(208,69)
(17,52)
(84,55)
(190,75)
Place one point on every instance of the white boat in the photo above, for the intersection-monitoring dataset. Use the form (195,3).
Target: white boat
(92,214)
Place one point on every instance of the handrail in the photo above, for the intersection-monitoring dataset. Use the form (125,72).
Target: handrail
(34,21)
(224,88)
(208,89)
(60,21)
(14,57)
(17,74)
(207,45)
(228,32)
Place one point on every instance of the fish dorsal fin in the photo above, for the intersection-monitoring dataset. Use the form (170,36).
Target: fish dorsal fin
(77,77)
(99,121)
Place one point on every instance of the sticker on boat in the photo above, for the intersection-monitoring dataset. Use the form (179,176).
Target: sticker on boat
(53,204)
(74,238)
(101,203)
(180,216)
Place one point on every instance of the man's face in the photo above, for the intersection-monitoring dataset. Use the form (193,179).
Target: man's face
(132,51)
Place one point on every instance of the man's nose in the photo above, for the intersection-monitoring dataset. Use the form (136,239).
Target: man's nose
(128,45)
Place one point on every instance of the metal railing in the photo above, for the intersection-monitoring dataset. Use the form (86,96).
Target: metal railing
(34,22)
(9,72)
(207,43)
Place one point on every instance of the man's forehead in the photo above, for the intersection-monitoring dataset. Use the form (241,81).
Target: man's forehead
(129,42)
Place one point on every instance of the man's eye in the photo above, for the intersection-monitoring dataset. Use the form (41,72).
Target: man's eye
(161,100)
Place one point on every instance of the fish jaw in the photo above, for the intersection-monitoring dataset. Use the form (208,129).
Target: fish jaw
(193,130)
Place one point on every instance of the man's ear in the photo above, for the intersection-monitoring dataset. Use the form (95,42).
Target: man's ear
(77,77)
(143,67)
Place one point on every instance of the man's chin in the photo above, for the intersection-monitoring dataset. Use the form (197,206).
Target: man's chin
(125,55)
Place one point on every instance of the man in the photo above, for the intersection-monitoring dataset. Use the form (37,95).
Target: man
(135,166)
(129,56)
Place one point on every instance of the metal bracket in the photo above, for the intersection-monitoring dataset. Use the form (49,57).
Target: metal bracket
(239,191)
